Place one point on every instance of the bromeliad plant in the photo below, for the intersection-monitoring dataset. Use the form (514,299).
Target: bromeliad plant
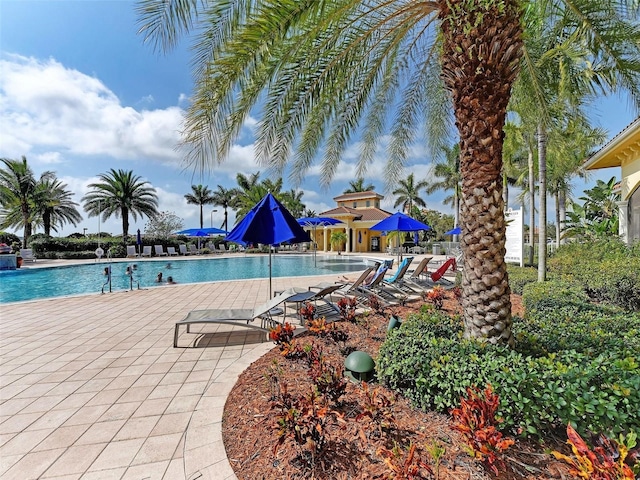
(476,420)
(307,312)
(607,461)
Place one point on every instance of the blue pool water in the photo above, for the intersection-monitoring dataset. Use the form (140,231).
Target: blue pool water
(34,283)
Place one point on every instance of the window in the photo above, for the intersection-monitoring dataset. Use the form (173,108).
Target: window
(368,203)
(355,204)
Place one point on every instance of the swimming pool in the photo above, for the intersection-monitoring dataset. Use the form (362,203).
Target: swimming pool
(35,283)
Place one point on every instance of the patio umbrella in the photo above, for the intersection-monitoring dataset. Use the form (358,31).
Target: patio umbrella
(455,231)
(399,222)
(270,223)
(314,222)
(201,232)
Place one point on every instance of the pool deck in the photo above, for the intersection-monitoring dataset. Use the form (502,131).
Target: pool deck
(92,388)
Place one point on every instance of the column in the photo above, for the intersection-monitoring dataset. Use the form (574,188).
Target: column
(623,220)
(348,245)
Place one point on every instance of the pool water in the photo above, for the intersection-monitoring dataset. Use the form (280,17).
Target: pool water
(34,283)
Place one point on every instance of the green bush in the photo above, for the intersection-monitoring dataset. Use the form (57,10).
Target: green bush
(560,317)
(426,361)
(608,271)
(521,276)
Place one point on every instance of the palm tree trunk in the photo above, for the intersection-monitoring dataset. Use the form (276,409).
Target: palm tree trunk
(480,85)
(532,205)
(558,232)
(125,225)
(542,184)
(225,219)
(201,218)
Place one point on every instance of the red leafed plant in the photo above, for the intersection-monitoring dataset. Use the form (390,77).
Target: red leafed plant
(347,306)
(308,312)
(605,462)
(376,305)
(476,420)
(436,296)
(404,465)
(282,333)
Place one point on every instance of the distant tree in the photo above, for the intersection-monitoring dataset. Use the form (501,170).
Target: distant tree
(308,213)
(408,194)
(293,201)
(448,179)
(598,215)
(200,195)
(223,197)
(121,193)
(251,190)
(358,185)
(17,196)
(163,225)
(54,204)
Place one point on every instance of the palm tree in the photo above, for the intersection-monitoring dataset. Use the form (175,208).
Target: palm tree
(408,194)
(322,67)
(448,174)
(121,193)
(200,195)
(54,204)
(223,197)
(17,196)
(251,190)
(293,201)
(358,185)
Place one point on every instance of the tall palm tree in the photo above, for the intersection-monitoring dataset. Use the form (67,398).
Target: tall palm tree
(54,204)
(251,190)
(17,196)
(121,193)
(200,195)
(358,185)
(293,201)
(408,194)
(323,67)
(223,197)
(448,177)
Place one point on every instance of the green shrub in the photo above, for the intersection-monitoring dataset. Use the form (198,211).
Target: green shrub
(521,276)
(427,362)
(608,271)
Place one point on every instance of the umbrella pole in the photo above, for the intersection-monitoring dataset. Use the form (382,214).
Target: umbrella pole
(270,290)
(315,252)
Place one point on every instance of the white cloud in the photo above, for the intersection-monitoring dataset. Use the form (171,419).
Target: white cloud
(45,105)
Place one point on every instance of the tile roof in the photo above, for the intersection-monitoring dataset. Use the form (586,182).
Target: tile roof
(357,195)
(359,214)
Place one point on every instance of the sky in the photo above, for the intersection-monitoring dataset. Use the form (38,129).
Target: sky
(80,94)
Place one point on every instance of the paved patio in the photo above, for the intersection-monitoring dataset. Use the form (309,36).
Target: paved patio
(91,387)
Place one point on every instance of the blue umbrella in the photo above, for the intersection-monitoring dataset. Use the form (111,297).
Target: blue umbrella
(399,222)
(455,231)
(270,223)
(314,222)
(201,232)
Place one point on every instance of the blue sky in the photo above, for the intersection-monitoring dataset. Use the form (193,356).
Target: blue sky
(80,94)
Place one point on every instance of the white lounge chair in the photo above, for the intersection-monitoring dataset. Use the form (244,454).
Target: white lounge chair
(27,255)
(146,251)
(159,249)
(193,250)
(183,249)
(171,251)
(131,251)
(238,316)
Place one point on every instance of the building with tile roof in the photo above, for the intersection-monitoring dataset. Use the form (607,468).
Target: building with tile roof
(358,212)
(624,151)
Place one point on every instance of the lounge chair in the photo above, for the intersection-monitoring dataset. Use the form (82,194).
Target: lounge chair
(238,316)
(222,248)
(159,249)
(414,280)
(183,249)
(437,277)
(171,251)
(146,251)
(131,251)
(396,282)
(320,293)
(27,255)
(193,250)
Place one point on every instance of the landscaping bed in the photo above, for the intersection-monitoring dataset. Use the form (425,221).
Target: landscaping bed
(356,435)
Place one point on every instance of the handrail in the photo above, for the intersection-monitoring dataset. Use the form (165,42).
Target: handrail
(108,281)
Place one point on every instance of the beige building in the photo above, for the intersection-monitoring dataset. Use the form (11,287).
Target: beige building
(624,151)
(358,212)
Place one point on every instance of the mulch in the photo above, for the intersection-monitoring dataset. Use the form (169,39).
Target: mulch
(354,446)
